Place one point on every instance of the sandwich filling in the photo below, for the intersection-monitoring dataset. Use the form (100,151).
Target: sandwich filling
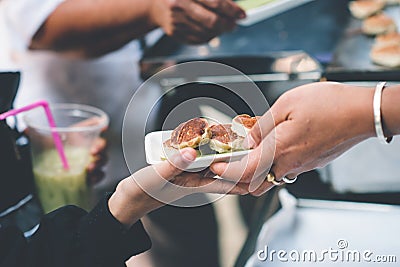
(223,139)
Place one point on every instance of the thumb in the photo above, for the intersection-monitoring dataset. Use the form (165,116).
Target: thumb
(176,164)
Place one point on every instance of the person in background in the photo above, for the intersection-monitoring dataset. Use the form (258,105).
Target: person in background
(87,52)
(112,232)
(310,126)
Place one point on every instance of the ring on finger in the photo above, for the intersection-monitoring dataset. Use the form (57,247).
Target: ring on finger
(271,178)
(289,181)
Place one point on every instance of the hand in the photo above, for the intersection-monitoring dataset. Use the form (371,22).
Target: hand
(157,185)
(95,172)
(98,152)
(195,21)
(306,128)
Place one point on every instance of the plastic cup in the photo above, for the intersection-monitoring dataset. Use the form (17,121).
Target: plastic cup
(78,126)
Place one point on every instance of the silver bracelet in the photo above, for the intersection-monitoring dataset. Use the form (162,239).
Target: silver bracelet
(377,114)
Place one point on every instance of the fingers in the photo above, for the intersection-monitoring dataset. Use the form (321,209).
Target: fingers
(98,146)
(153,178)
(278,113)
(265,124)
(201,20)
(191,32)
(211,185)
(99,159)
(250,167)
(262,189)
(97,162)
(175,164)
(224,7)
(211,22)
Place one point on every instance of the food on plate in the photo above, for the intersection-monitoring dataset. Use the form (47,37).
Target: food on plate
(208,139)
(362,9)
(192,133)
(379,24)
(242,124)
(388,39)
(169,150)
(388,56)
(223,139)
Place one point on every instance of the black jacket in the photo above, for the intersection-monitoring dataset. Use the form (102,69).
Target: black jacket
(72,237)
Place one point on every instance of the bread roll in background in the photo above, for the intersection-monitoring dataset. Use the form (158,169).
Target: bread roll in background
(387,39)
(362,9)
(379,24)
(388,56)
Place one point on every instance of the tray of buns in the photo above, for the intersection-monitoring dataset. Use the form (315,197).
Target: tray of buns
(213,142)
(370,46)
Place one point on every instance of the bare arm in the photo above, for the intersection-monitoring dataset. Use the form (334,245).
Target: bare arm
(157,185)
(89,28)
(307,128)
(391,110)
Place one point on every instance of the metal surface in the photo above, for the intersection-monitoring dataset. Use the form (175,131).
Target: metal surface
(319,225)
(274,67)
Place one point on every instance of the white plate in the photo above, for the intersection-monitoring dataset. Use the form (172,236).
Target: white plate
(153,143)
(268,10)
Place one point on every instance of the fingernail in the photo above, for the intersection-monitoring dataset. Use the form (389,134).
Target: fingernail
(188,155)
(249,142)
(244,192)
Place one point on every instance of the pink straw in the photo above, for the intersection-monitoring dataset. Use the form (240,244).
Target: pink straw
(56,136)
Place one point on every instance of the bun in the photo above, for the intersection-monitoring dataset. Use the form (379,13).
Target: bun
(223,139)
(192,133)
(388,56)
(364,8)
(220,137)
(379,24)
(242,124)
(388,39)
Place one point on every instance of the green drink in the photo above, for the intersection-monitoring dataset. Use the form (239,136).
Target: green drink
(78,126)
(57,187)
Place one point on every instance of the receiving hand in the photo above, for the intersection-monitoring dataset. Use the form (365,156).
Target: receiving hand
(98,152)
(196,21)
(306,128)
(95,172)
(157,185)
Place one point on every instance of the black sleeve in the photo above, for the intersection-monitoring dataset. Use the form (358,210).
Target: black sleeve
(70,237)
